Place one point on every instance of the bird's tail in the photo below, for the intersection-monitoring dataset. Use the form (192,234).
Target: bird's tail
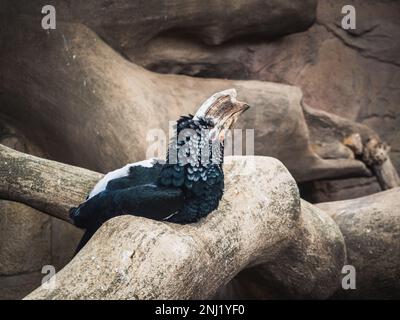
(85,239)
(89,232)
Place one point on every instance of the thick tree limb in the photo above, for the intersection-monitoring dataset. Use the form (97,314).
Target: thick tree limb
(376,155)
(129,24)
(258,223)
(371,229)
(48,186)
(261,282)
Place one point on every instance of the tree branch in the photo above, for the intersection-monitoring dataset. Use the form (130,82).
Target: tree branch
(259,232)
(371,228)
(376,155)
(48,186)
(259,224)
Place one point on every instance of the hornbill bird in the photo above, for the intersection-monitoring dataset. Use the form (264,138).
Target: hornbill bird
(184,188)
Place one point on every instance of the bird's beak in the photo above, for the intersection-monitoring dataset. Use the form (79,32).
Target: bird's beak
(229,114)
(224,109)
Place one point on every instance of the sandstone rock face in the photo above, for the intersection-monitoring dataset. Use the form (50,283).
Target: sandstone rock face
(259,224)
(366,60)
(103,100)
(29,240)
(24,239)
(17,286)
(127,24)
(371,229)
(351,74)
(365,84)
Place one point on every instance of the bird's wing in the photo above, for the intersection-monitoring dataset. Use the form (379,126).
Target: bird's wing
(148,201)
(137,176)
(123,172)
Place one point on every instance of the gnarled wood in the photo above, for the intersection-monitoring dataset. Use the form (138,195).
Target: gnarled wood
(376,155)
(275,246)
(258,223)
(371,229)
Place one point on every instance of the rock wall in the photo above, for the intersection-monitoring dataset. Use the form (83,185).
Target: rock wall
(354,74)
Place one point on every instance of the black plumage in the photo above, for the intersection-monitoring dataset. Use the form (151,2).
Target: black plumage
(135,194)
(177,192)
(184,189)
(202,177)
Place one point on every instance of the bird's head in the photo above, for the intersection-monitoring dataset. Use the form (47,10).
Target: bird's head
(201,137)
(223,110)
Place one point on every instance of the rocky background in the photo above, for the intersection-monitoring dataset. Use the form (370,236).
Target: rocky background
(353,74)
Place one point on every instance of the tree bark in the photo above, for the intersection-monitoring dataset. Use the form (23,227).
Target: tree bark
(371,229)
(376,155)
(49,186)
(277,245)
(259,224)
